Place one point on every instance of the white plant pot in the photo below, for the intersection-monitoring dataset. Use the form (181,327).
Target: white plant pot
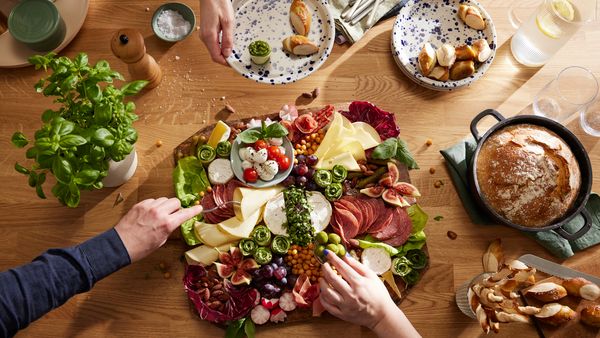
(120,172)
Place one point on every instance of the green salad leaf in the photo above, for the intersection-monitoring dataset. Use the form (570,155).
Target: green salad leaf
(369,244)
(395,148)
(187,232)
(189,179)
(418,218)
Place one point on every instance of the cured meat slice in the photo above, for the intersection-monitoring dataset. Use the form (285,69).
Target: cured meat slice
(364,207)
(385,228)
(384,216)
(401,221)
(349,224)
(351,204)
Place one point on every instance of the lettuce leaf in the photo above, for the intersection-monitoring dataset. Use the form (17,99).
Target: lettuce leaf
(187,231)
(189,179)
(418,218)
(368,244)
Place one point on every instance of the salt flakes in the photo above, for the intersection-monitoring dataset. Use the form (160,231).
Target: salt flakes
(172,25)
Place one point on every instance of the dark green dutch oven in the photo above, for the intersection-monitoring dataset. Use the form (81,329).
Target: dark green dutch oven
(37,24)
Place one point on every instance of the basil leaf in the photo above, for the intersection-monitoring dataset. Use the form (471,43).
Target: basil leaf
(250,135)
(61,169)
(93,91)
(130,135)
(133,88)
(102,113)
(103,137)
(19,139)
(21,169)
(49,114)
(403,155)
(234,328)
(249,328)
(97,154)
(68,83)
(33,179)
(81,60)
(72,197)
(275,130)
(87,177)
(65,128)
(31,152)
(386,149)
(38,188)
(69,141)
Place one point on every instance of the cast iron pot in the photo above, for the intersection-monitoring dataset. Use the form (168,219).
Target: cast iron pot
(581,155)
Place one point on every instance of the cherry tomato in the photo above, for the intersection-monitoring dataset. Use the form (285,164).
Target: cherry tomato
(250,175)
(283,162)
(260,144)
(274,152)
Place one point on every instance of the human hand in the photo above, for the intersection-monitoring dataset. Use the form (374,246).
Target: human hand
(217,16)
(148,224)
(358,296)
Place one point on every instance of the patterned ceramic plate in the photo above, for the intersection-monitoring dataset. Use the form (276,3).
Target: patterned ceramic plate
(437,22)
(268,20)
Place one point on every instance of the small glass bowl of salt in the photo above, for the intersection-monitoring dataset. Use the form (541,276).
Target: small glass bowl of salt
(173,22)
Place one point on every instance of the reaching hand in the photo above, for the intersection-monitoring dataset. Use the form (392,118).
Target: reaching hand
(217,16)
(148,224)
(359,296)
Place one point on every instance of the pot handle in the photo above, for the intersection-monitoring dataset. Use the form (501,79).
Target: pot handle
(475,122)
(584,229)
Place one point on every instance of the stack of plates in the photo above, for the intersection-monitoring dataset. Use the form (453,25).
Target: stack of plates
(437,22)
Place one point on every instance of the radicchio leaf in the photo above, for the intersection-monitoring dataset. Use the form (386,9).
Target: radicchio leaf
(384,122)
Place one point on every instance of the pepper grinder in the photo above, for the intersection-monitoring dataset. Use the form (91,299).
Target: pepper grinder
(128,45)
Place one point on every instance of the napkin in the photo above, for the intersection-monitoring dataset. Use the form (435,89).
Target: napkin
(354,32)
(458,158)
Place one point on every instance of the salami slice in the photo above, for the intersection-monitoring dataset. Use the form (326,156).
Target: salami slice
(363,207)
(351,204)
(385,229)
(401,221)
(348,224)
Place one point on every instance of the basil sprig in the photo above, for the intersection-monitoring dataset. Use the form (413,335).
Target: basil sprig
(265,132)
(395,148)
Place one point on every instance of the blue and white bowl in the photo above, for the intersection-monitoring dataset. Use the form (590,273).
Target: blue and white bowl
(268,20)
(437,22)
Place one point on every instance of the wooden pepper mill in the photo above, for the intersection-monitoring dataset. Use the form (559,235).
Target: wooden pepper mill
(128,45)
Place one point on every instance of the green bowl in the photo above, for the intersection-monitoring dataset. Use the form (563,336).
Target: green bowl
(184,10)
(37,24)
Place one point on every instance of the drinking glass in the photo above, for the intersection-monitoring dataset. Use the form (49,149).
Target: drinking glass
(548,29)
(568,94)
(590,118)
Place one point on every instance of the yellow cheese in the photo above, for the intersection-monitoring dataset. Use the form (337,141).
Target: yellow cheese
(253,199)
(366,135)
(344,159)
(211,235)
(331,137)
(205,254)
(240,229)
(220,133)
(353,147)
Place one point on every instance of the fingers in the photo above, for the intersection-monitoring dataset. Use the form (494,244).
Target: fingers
(359,267)
(183,215)
(170,206)
(329,294)
(211,40)
(340,285)
(333,309)
(349,274)
(157,202)
(226,36)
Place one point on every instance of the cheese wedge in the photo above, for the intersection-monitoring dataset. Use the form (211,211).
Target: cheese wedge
(366,135)
(353,147)
(253,199)
(344,159)
(240,229)
(331,137)
(205,254)
(211,235)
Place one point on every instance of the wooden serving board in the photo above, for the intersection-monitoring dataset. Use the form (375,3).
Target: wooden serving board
(574,328)
(188,148)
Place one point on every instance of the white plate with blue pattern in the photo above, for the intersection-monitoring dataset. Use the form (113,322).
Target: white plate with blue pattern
(437,22)
(268,20)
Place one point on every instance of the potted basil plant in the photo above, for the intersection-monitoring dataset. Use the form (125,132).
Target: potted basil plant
(87,135)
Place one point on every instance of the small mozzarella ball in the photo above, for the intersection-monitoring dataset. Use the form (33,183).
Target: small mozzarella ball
(250,152)
(260,156)
(246,164)
(265,176)
(276,141)
(282,149)
(270,167)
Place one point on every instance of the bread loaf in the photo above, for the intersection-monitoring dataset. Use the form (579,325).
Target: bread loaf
(528,175)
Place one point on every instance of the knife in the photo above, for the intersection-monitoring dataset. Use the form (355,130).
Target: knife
(555,269)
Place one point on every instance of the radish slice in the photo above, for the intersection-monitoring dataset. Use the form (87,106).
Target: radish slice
(260,315)
(287,302)
(377,259)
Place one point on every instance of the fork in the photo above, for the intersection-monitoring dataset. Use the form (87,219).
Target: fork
(205,211)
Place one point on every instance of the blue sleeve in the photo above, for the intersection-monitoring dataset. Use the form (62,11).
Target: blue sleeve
(30,291)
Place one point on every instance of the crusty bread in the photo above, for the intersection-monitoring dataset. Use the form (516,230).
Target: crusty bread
(528,175)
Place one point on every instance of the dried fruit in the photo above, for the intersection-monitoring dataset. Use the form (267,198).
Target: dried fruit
(315,93)
(493,258)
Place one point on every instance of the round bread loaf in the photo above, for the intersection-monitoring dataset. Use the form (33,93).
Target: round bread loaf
(528,175)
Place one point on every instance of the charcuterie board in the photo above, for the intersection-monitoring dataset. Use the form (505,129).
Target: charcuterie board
(189,148)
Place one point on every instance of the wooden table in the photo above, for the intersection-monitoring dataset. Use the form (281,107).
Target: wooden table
(139,300)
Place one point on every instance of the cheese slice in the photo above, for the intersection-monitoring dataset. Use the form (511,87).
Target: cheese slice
(344,159)
(211,235)
(366,135)
(205,254)
(331,137)
(253,199)
(240,229)
(355,148)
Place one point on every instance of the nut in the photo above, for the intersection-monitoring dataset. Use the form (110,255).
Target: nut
(482,49)
(204,294)
(307,95)
(315,93)
(452,235)
(446,55)
(214,305)
(229,108)
(432,170)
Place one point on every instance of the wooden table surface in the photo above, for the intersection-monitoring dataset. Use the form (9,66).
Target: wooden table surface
(139,300)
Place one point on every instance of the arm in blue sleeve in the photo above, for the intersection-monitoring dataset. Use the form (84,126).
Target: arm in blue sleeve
(30,291)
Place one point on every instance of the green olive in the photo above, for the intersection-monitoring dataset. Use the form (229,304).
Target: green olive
(319,250)
(334,238)
(341,250)
(333,248)
(322,237)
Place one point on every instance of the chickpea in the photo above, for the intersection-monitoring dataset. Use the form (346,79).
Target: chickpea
(313,136)
(303,142)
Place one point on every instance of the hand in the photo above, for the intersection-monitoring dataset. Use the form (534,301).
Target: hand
(217,16)
(359,296)
(148,224)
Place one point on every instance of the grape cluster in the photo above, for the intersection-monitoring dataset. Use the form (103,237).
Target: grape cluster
(271,279)
(303,172)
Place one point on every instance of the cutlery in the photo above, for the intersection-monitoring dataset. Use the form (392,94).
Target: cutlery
(361,12)
(205,211)
(350,13)
(371,19)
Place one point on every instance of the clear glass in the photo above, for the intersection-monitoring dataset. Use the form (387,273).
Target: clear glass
(549,28)
(590,118)
(569,93)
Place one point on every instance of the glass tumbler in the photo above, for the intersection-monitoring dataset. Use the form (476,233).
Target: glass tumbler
(568,94)
(590,118)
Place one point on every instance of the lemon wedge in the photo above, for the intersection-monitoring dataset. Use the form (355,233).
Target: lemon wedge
(564,8)
(221,133)
(547,26)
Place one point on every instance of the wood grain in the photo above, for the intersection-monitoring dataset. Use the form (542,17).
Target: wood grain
(138,301)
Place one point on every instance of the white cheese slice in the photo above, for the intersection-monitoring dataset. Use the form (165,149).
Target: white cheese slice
(344,159)
(274,217)
(366,135)
(211,235)
(320,215)
(253,199)
(205,254)
(240,229)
